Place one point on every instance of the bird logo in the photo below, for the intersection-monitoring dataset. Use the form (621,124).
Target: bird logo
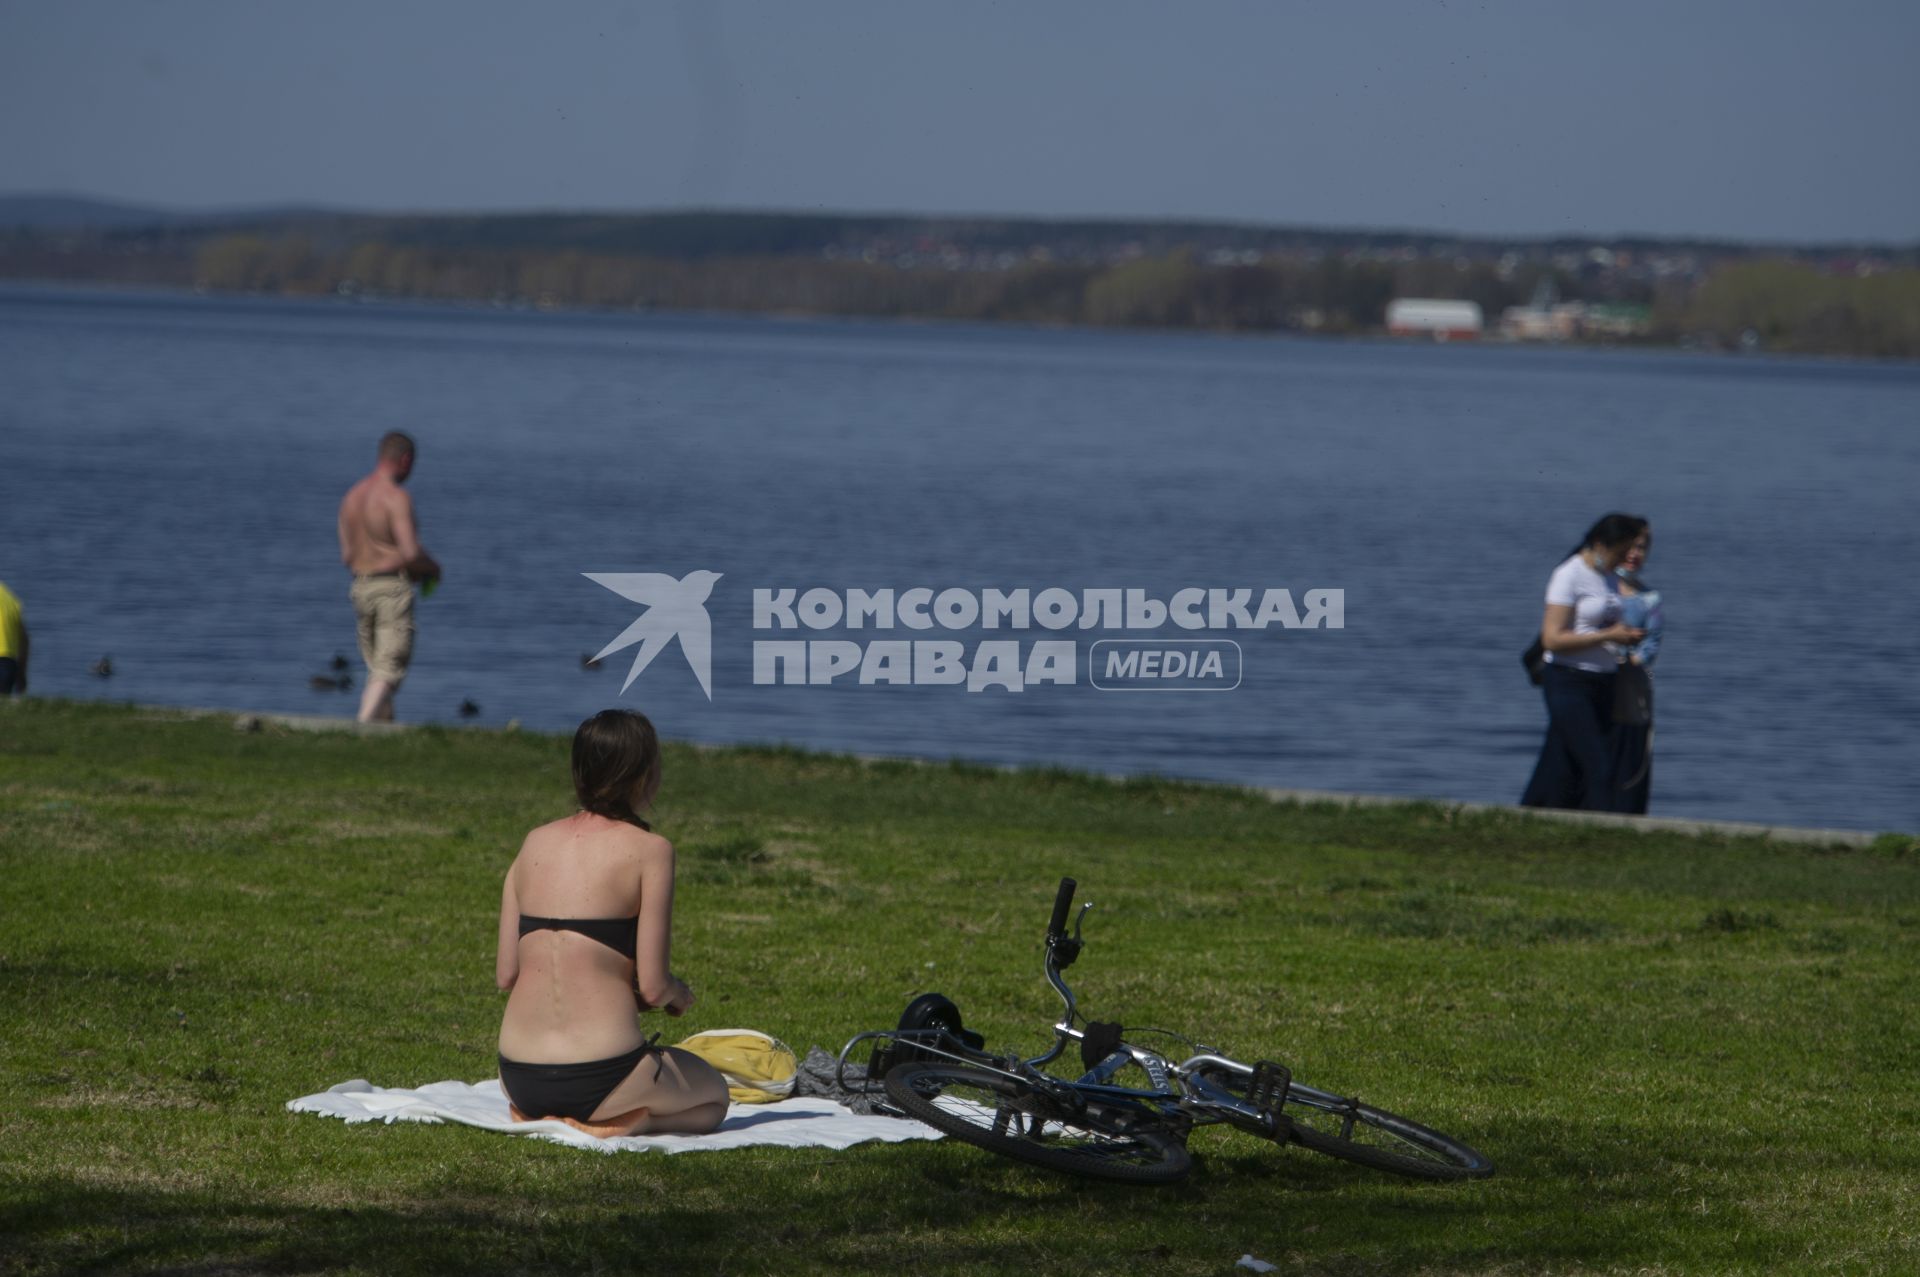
(675,609)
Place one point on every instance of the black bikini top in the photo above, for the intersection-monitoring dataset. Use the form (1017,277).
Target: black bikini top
(615,933)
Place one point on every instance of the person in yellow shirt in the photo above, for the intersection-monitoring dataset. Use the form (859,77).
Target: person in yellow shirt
(13,645)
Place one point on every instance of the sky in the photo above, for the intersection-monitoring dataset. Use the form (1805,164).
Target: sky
(1743,119)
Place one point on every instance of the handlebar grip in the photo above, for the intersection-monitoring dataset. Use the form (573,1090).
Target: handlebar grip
(1061,903)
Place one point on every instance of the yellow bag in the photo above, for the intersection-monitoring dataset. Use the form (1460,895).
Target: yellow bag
(759,1069)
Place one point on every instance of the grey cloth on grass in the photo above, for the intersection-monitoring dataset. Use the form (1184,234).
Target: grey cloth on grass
(818,1076)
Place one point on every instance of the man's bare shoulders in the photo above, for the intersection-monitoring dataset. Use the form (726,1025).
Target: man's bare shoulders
(368,500)
(385,496)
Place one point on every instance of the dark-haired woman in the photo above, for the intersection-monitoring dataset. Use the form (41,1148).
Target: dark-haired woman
(1641,607)
(585,933)
(1582,632)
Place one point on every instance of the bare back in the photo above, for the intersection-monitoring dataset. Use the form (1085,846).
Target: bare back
(376,526)
(573,997)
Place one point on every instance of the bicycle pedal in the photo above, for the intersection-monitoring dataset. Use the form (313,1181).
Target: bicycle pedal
(881,1062)
(1267,1089)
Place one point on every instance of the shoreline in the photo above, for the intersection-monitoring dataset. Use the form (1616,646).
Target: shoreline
(525,307)
(1803,835)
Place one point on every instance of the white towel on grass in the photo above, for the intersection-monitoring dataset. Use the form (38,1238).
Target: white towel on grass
(809,1122)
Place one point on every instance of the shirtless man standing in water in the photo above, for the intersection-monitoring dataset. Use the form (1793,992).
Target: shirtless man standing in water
(378,544)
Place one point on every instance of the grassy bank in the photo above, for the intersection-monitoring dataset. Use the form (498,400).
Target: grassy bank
(1684,1054)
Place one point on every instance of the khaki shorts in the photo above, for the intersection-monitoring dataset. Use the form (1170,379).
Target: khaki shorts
(383,606)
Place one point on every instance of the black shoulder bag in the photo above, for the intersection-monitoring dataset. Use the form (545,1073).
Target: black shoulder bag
(1632,695)
(1535,659)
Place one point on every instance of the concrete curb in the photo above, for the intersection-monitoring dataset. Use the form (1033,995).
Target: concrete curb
(1614,820)
(1799,835)
(247,722)
(1643,824)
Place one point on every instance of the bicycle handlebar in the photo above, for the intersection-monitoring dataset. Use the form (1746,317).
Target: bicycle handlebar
(1061,904)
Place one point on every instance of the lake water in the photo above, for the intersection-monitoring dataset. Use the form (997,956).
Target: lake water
(171,468)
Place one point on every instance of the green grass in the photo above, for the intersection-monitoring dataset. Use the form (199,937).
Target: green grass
(1684,1054)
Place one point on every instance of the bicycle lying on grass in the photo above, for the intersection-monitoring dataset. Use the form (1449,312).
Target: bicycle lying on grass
(937,1071)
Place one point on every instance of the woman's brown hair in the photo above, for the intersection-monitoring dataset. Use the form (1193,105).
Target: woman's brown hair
(615,753)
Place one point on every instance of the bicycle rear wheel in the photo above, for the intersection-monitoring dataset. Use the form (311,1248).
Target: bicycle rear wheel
(1009,1117)
(1347,1129)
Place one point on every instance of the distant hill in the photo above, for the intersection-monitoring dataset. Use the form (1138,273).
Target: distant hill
(41,212)
(61,212)
(695,234)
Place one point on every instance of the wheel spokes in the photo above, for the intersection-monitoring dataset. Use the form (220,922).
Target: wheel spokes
(1010,1116)
(1041,1122)
(1345,1124)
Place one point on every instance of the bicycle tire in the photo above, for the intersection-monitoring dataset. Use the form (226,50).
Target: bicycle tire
(1009,1117)
(1367,1136)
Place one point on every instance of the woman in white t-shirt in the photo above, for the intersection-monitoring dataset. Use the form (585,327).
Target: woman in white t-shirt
(1582,633)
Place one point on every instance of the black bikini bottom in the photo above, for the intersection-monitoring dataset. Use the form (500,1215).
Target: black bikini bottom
(566,1090)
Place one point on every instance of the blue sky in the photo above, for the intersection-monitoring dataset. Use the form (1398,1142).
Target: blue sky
(1752,120)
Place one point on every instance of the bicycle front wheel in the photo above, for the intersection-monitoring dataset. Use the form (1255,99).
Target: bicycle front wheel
(1007,1116)
(1347,1129)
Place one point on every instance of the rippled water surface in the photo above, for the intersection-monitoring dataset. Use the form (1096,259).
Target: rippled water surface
(172,467)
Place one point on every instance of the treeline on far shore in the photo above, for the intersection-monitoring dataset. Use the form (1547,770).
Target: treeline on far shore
(1777,304)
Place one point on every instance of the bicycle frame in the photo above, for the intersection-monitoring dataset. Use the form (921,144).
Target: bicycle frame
(1182,1084)
(1010,1104)
(1179,1091)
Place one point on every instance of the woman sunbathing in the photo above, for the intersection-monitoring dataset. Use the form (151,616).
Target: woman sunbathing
(585,926)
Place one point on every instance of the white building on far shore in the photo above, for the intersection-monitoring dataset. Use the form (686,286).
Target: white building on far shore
(1430,317)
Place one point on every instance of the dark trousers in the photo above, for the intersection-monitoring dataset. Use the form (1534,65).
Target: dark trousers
(9,674)
(1576,767)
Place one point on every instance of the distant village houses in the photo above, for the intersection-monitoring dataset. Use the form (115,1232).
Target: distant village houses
(1545,318)
(1575,321)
